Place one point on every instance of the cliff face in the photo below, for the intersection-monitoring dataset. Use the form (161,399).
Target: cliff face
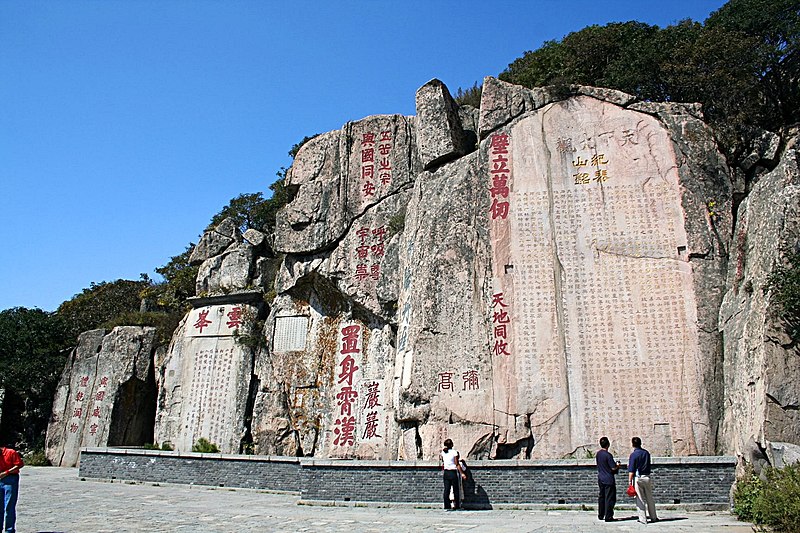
(106,396)
(762,364)
(522,279)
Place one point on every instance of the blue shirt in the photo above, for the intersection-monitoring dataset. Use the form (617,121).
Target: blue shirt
(605,467)
(639,462)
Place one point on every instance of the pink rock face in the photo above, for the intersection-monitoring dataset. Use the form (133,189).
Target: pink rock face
(593,309)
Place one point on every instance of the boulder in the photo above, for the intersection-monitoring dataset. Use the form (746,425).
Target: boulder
(106,396)
(440,136)
(215,241)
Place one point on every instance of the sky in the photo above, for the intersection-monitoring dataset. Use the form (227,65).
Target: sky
(126,125)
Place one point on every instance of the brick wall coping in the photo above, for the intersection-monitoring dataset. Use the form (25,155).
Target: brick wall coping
(361,463)
(195,455)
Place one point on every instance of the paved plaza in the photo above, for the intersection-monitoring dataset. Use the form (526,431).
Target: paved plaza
(56,500)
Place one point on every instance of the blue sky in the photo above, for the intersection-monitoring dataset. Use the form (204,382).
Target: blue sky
(126,125)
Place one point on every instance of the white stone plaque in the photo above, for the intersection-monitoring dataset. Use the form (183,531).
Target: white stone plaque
(290,333)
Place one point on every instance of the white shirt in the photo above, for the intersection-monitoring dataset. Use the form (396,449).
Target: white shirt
(449,459)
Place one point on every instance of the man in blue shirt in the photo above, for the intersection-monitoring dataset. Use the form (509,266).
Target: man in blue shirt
(639,476)
(606,468)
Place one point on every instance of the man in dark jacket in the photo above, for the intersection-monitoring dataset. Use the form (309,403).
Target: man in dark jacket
(606,468)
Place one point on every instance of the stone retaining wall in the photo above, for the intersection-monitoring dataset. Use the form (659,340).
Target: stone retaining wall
(684,480)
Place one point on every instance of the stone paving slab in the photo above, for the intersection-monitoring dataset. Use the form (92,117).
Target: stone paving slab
(56,500)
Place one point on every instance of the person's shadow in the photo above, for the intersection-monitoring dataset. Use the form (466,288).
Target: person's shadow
(475,497)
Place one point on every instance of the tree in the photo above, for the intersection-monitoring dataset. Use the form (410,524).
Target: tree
(33,351)
(743,65)
(100,303)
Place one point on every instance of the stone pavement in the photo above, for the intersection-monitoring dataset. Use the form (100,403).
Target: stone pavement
(56,500)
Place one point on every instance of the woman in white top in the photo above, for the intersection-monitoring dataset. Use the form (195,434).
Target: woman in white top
(451,468)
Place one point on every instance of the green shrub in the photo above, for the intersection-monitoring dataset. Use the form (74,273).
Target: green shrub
(204,446)
(150,446)
(167,446)
(36,458)
(773,502)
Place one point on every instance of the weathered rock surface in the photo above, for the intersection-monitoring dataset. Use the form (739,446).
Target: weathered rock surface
(525,278)
(440,136)
(204,379)
(762,364)
(522,278)
(340,175)
(215,241)
(106,396)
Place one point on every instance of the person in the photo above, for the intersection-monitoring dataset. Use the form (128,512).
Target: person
(452,471)
(606,468)
(10,464)
(639,476)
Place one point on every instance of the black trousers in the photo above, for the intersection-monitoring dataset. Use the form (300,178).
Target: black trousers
(606,500)
(451,480)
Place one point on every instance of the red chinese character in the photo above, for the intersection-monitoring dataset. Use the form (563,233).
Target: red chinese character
(497,299)
(84,381)
(77,412)
(361,271)
(367,172)
(386,177)
(363,233)
(386,136)
(93,429)
(369,189)
(346,398)
(73,427)
(371,427)
(367,155)
(470,378)
(500,347)
(377,249)
(372,395)
(500,186)
(380,233)
(368,138)
(80,396)
(499,209)
(235,317)
(375,271)
(362,251)
(445,381)
(499,143)
(500,331)
(100,395)
(499,165)
(349,368)
(385,148)
(104,381)
(350,339)
(384,164)
(501,317)
(344,433)
(96,412)
(203,321)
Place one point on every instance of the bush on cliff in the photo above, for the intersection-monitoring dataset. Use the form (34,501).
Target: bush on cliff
(773,501)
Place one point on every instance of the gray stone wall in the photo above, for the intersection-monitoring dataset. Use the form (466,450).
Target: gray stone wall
(219,470)
(685,480)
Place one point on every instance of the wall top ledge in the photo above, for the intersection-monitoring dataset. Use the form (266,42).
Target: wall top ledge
(310,462)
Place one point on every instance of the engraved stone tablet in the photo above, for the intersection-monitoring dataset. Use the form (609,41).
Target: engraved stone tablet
(290,333)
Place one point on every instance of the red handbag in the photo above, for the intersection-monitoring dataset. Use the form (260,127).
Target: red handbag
(631,491)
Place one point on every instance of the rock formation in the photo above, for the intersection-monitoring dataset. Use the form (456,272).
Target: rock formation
(106,396)
(521,278)
(762,363)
